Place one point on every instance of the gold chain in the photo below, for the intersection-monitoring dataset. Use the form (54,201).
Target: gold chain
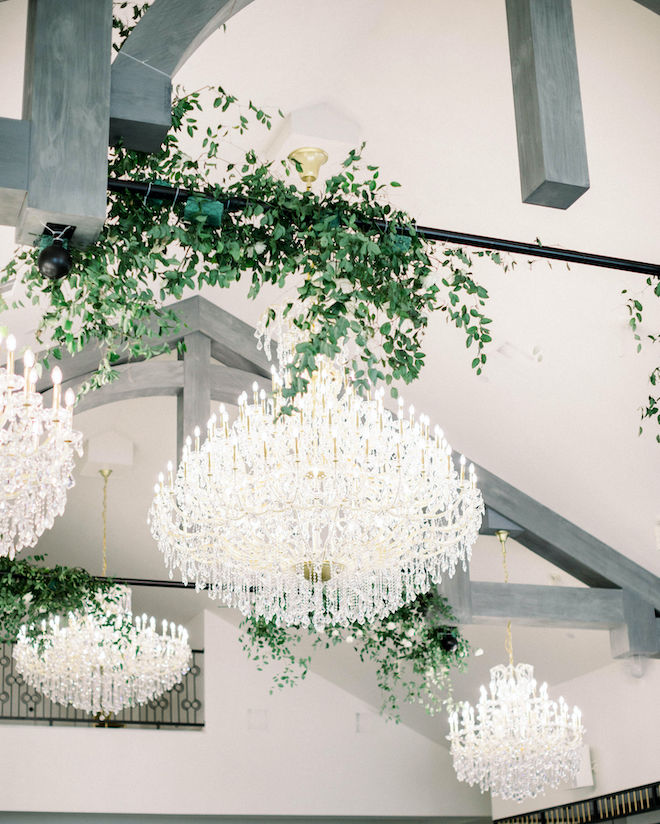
(502,535)
(105,474)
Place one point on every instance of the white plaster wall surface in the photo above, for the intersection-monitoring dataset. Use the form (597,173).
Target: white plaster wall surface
(622,718)
(309,761)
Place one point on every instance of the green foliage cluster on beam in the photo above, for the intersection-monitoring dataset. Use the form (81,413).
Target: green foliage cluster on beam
(414,650)
(30,592)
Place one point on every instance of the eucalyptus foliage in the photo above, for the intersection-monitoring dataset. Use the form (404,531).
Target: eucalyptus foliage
(414,650)
(30,592)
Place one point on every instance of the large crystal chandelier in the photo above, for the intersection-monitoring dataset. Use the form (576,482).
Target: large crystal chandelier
(101,659)
(517,742)
(338,512)
(37,446)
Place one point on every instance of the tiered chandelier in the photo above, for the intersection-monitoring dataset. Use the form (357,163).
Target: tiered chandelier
(37,447)
(518,742)
(338,512)
(101,659)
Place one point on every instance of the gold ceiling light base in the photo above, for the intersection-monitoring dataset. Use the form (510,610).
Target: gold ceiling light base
(308,160)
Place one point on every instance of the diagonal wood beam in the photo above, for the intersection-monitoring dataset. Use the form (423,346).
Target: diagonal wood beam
(564,544)
(161,42)
(652,5)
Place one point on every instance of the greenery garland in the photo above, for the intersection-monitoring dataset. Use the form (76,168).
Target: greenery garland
(29,593)
(362,271)
(414,650)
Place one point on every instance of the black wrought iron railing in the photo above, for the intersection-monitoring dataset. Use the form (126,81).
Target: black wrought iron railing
(180,707)
(602,808)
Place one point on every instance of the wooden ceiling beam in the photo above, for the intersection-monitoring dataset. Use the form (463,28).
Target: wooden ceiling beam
(552,150)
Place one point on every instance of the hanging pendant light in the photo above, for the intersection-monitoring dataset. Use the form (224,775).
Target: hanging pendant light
(339,512)
(517,742)
(101,659)
(37,447)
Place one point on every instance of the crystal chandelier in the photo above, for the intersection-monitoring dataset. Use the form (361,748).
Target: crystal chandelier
(101,659)
(37,448)
(517,742)
(338,512)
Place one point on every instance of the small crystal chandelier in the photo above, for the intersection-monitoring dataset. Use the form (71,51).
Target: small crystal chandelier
(518,742)
(338,512)
(37,446)
(101,659)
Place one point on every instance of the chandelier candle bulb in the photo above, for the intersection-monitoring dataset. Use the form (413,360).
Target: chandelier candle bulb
(11,349)
(268,528)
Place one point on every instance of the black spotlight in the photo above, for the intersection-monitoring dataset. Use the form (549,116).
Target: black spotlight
(54,261)
(448,643)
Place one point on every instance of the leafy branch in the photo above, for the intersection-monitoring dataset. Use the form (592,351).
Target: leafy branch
(414,650)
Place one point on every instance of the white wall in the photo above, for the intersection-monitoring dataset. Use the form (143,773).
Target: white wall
(310,760)
(622,719)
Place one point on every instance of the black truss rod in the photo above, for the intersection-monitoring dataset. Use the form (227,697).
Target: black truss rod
(175,194)
(147,582)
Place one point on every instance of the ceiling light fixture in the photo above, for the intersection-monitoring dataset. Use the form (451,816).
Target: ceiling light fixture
(101,659)
(517,742)
(308,161)
(37,454)
(338,512)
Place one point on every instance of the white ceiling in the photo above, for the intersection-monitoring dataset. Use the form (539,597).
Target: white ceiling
(428,85)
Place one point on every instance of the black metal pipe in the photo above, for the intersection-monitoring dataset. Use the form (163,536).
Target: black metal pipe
(175,194)
(147,582)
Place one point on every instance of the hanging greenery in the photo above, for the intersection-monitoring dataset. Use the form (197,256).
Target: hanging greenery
(29,592)
(414,650)
(362,271)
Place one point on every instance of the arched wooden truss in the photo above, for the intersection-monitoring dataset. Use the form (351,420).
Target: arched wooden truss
(222,360)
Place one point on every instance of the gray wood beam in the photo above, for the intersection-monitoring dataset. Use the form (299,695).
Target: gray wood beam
(156,378)
(637,634)
(652,5)
(552,151)
(14,146)
(67,100)
(232,343)
(194,402)
(564,544)
(161,42)
(458,592)
(547,606)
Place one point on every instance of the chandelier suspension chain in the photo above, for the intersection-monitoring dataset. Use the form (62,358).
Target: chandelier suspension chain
(503,535)
(105,474)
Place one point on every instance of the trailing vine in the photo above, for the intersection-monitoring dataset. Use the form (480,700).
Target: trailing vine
(650,411)
(414,650)
(29,593)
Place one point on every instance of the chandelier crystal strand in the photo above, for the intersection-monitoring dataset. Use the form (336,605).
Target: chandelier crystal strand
(37,447)
(101,659)
(338,512)
(518,742)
